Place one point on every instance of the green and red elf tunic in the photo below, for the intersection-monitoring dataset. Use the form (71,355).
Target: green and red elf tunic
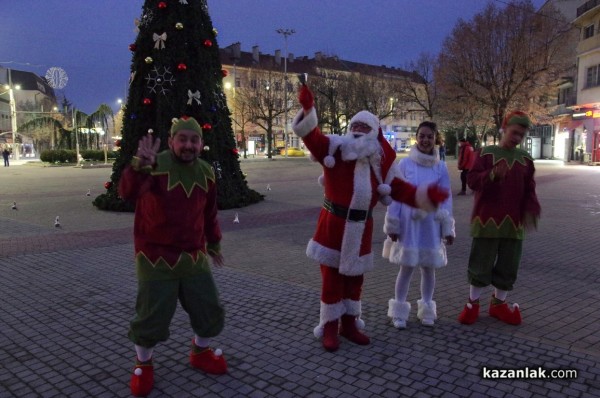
(175,219)
(501,208)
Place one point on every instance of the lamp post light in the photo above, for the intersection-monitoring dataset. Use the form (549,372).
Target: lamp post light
(285,33)
(13,114)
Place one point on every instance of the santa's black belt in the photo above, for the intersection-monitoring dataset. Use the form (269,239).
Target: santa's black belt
(348,214)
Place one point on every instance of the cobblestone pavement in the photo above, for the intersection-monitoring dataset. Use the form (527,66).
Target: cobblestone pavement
(67,295)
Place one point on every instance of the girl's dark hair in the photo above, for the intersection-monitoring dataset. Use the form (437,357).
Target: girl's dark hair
(429,124)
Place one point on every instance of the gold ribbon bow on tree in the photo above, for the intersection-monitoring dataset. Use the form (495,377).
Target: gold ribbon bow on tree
(159,40)
(193,96)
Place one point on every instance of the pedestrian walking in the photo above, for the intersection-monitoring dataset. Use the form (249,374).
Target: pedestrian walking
(466,158)
(6,156)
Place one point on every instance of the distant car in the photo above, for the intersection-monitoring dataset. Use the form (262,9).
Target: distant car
(292,151)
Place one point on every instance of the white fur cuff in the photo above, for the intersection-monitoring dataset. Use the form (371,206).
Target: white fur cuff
(303,125)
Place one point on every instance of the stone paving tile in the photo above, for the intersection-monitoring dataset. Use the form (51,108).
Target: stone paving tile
(66,302)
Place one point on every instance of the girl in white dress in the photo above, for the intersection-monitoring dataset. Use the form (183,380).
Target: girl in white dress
(416,238)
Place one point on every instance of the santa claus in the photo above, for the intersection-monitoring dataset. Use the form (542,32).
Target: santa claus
(355,177)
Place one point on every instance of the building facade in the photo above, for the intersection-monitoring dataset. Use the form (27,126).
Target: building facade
(259,86)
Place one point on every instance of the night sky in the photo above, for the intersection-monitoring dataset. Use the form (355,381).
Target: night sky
(89,39)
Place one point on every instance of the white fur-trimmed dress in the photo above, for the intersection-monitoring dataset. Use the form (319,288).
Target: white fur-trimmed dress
(421,234)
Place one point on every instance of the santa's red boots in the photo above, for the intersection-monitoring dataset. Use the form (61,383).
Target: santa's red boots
(208,360)
(142,379)
(330,340)
(351,332)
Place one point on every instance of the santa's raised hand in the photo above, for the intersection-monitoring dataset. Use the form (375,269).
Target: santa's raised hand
(147,150)
(306,98)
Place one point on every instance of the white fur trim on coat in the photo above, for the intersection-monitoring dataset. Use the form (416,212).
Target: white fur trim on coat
(328,313)
(422,198)
(353,231)
(412,256)
(446,221)
(302,125)
(331,257)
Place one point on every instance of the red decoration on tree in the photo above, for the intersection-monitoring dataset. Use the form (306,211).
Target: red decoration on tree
(224,72)
(107,184)
(118,143)
(182,66)
(147,101)
(206,126)
(132,47)
(236,151)
(207,43)
(162,5)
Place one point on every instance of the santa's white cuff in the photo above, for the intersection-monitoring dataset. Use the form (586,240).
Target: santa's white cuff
(422,198)
(302,125)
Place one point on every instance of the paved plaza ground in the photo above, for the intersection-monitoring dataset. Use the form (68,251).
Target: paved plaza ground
(67,295)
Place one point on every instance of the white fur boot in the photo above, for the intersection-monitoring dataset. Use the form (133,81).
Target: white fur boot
(398,311)
(426,312)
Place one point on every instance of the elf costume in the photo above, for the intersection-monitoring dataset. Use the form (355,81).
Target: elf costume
(502,210)
(355,178)
(175,228)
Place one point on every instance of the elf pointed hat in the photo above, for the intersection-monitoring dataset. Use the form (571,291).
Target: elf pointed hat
(516,117)
(185,123)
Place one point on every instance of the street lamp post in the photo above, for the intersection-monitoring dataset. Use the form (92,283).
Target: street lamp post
(285,33)
(13,116)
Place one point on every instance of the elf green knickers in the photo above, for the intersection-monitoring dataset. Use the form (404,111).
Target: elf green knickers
(494,261)
(159,290)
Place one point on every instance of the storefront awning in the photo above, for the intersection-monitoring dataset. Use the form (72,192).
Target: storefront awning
(574,124)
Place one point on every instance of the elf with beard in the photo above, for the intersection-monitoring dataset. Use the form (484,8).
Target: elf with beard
(355,177)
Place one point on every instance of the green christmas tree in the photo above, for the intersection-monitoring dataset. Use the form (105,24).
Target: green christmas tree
(176,71)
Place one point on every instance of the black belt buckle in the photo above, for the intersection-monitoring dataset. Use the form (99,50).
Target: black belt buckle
(357,215)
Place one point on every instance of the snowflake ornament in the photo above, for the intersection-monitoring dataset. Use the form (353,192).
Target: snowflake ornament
(159,80)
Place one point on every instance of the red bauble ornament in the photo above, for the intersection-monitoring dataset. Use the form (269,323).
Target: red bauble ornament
(182,66)
(206,126)
(207,43)
(118,143)
(224,72)
(107,184)
(132,47)
(147,101)
(162,5)
(236,151)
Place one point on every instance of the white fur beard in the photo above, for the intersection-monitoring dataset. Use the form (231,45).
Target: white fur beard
(358,148)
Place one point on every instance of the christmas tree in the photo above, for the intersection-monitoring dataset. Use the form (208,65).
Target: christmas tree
(176,71)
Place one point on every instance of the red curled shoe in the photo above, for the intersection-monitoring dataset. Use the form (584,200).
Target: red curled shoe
(470,313)
(142,379)
(208,360)
(502,312)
